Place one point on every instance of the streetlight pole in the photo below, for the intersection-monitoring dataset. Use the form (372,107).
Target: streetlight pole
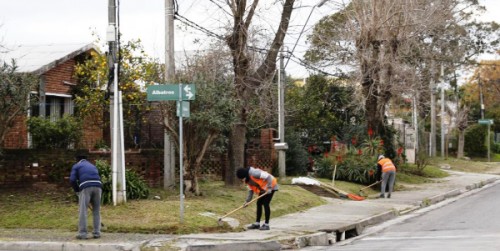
(117,146)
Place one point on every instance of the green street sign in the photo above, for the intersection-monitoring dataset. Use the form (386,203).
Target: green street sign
(485,121)
(170,92)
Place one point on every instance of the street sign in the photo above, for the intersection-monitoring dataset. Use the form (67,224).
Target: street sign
(185,109)
(170,92)
(485,121)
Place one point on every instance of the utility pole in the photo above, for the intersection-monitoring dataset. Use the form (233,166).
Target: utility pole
(117,146)
(415,125)
(481,99)
(168,147)
(432,140)
(443,128)
(282,146)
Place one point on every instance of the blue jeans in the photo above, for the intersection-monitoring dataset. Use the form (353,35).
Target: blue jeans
(86,197)
(388,177)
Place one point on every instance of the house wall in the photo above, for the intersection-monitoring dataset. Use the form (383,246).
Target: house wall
(59,80)
(54,78)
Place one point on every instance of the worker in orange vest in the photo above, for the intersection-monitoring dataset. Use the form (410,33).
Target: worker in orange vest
(387,169)
(259,182)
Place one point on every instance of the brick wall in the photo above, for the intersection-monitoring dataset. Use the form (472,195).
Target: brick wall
(92,132)
(23,167)
(54,78)
(17,136)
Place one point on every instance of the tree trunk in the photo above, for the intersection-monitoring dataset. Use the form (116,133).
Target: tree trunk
(461,143)
(245,80)
(236,152)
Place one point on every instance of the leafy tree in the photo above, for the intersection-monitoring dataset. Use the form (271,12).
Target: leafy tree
(485,82)
(92,98)
(321,109)
(390,45)
(15,88)
(211,113)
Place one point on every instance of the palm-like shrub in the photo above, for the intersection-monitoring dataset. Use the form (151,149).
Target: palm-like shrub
(136,187)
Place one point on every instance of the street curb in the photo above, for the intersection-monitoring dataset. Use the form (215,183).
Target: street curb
(237,246)
(66,246)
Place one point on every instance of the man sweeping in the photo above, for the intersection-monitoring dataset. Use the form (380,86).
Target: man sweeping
(387,169)
(259,182)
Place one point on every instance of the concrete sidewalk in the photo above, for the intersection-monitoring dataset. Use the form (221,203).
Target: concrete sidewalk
(335,221)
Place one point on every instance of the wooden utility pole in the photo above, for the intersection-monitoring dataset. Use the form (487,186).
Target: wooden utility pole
(168,147)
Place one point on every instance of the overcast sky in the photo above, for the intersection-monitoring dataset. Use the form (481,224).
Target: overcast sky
(74,21)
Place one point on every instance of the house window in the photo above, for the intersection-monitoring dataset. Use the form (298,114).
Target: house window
(53,107)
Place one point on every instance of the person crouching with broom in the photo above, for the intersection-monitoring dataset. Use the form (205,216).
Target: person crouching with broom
(262,183)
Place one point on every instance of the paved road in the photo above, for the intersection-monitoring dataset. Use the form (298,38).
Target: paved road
(471,223)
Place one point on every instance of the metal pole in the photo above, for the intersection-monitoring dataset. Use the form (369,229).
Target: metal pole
(181,171)
(114,138)
(443,129)
(123,192)
(432,140)
(281,117)
(488,139)
(415,125)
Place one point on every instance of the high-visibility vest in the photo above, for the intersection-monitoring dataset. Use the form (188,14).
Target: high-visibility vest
(260,185)
(387,165)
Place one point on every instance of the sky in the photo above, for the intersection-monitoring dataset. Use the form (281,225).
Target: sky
(72,21)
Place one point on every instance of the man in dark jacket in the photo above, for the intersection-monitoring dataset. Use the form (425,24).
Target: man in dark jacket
(86,182)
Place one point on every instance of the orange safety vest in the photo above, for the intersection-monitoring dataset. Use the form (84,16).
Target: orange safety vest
(387,165)
(260,185)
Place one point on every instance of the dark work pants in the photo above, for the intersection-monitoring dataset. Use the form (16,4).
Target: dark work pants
(265,202)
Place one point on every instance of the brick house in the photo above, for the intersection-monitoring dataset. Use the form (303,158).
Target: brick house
(55,65)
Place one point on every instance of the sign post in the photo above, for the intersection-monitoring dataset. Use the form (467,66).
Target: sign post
(488,122)
(181,93)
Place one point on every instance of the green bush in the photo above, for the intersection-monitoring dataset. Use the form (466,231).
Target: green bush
(60,134)
(324,167)
(360,169)
(296,156)
(475,137)
(495,147)
(136,187)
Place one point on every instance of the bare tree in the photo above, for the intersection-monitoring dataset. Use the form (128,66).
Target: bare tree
(210,113)
(247,78)
(390,44)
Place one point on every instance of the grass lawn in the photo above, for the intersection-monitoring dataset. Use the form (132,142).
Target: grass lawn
(49,207)
(56,208)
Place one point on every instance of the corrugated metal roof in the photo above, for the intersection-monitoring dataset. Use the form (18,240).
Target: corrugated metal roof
(39,59)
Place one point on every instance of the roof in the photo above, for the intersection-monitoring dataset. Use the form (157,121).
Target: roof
(39,59)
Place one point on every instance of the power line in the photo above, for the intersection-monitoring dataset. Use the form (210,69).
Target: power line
(197,26)
(311,67)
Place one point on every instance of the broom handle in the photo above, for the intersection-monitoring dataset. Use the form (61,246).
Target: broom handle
(260,196)
(369,186)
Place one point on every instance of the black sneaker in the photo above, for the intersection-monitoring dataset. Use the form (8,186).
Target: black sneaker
(254,226)
(97,236)
(382,196)
(81,237)
(264,227)
(389,196)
